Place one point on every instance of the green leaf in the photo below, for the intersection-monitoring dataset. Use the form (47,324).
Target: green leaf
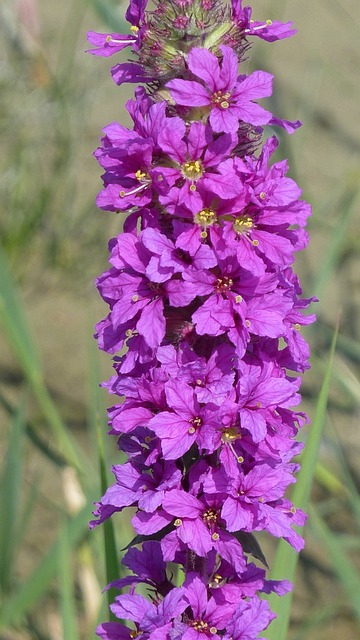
(250,545)
(157,535)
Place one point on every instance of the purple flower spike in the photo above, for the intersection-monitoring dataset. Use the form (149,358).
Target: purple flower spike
(204,325)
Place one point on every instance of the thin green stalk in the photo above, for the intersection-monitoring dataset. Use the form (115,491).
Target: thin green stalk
(10,492)
(66,582)
(14,322)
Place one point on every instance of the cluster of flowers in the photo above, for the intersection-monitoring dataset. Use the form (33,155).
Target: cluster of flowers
(205,312)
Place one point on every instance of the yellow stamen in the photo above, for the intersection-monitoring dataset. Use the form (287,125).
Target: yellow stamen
(192,169)
(243,224)
(205,217)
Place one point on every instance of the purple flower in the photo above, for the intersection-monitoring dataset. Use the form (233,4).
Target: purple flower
(152,621)
(133,294)
(186,423)
(250,618)
(200,527)
(204,617)
(109,43)
(228,96)
(267,30)
(134,487)
(199,162)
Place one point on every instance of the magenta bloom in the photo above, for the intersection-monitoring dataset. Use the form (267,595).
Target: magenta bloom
(250,618)
(200,162)
(228,96)
(186,424)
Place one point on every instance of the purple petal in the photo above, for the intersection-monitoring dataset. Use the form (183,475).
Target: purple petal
(196,139)
(225,120)
(255,423)
(236,514)
(128,72)
(188,93)
(196,536)
(256,85)
(127,420)
(182,505)
(113,631)
(229,68)
(180,397)
(250,620)
(205,65)
(131,607)
(196,593)
(152,323)
(171,142)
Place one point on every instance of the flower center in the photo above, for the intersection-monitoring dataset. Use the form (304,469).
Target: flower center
(220,99)
(142,176)
(144,180)
(195,424)
(192,169)
(205,217)
(230,434)
(210,516)
(201,625)
(243,224)
(155,288)
(223,285)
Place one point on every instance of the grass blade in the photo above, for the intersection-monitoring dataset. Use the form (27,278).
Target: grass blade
(30,592)
(337,240)
(112,15)
(67,599)
(110,547)
(286,558)
(14,321)
(345,570)
(111,556)
(11,486)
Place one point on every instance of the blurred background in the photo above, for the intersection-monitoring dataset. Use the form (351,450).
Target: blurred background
(54,102)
